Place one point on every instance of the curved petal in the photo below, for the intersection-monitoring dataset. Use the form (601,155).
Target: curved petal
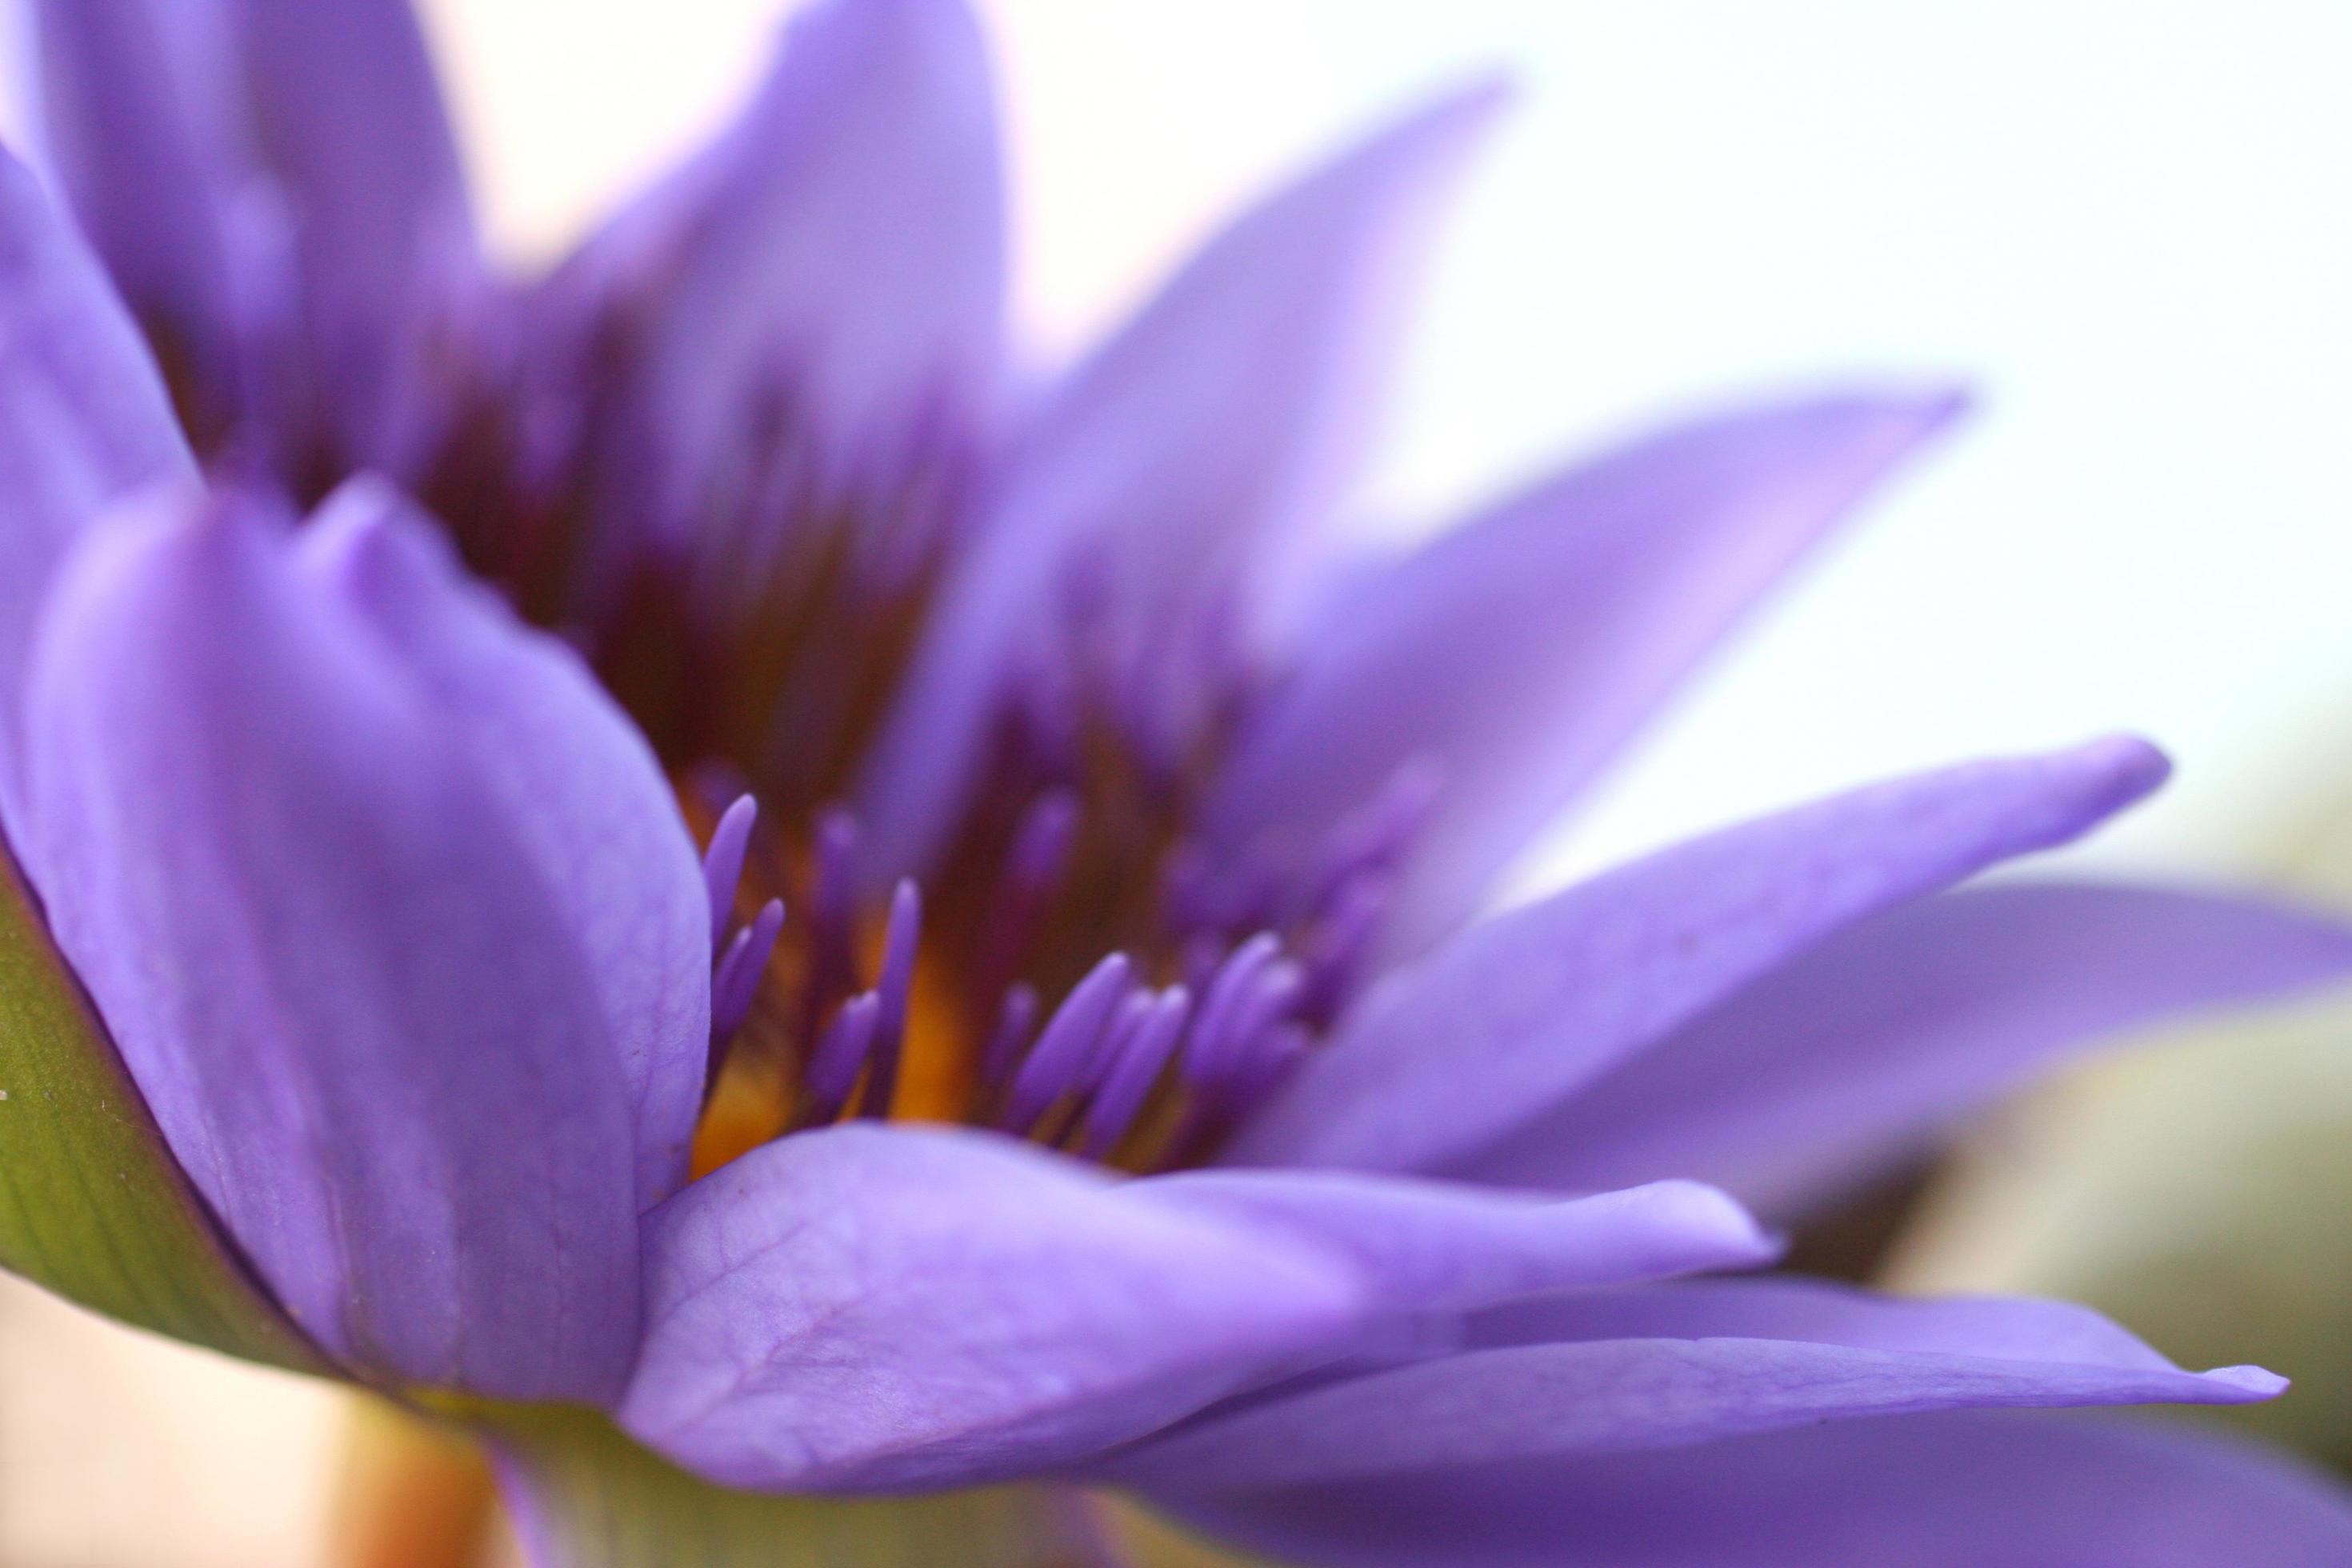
(84,422)
(1489,1033)
(135,124)
(1519,651)
(864,1308)
(1904,1022)
(348,119)
(1432,1247)
(1671,1364)
(1948,1489)
(846,242)
(363,1017)
(587,799)
(276,185)
(1228,415)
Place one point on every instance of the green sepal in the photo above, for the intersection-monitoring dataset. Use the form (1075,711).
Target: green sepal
(586,1495)
(92,1206)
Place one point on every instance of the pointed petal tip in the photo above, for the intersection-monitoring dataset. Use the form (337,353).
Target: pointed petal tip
(1444,130)
(2132,768)
(1734,1238)
(2245,1384)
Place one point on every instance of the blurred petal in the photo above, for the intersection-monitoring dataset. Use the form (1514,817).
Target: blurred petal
(1907,1022)
(847,241)
(349,120)
(364,1018)
(588,800)
(864,1308)
(134,115)
(83,422)
(1518,652)
(1670,1364)
(1504,1023)
(1950,1489)
(1229,414)
(1427,1246)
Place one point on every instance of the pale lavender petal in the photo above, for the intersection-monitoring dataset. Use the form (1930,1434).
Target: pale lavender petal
(586,796)
(361,1014)
(348,119)
(1203,437)
(1664,1365)
(1432,1246)
(845,243)
(1496,1029)
(84,422)
(870,1307)
(136,126)
(1904,1022)
(1946,1489)
(1518,652)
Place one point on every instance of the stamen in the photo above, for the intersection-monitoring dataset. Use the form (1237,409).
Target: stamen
(1016,1016)
(1341,942)
(1063,1047)
(1229,991)
(1033,866)
(1135,1070)
(738,975)
(1376,835)
(841,1054)
(1267,1002)
(722,866)
(833,918)
(891,989)
(1134,1012)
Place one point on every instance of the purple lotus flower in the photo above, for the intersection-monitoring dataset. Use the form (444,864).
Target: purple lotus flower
(1053,782)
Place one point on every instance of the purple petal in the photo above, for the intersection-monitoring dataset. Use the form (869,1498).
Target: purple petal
(1950,1489)
(1518,652)
(135,117)
(1501,1025)
(84,422)
(363,1015)
(849,239)
(870,1307)
(586,797)
(1664,1365)
(1904,1022)
(348,119)
(1201,439)
(1426,1247)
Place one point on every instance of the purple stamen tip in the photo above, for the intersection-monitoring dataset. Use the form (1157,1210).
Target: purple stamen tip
(737,979)
(833,1070)
(1016,1016)
(1067,1042)
(722,865)
(1136,1067)
(894,986)
(1228,992)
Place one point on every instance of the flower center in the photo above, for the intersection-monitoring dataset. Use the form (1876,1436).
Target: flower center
(1078,977)
(1074,969)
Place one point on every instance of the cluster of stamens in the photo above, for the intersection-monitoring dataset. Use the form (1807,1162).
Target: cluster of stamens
(1145,1059)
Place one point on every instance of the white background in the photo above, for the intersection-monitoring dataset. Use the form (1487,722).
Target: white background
(2129,224)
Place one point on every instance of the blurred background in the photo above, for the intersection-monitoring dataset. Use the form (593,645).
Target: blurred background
(2127,225)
